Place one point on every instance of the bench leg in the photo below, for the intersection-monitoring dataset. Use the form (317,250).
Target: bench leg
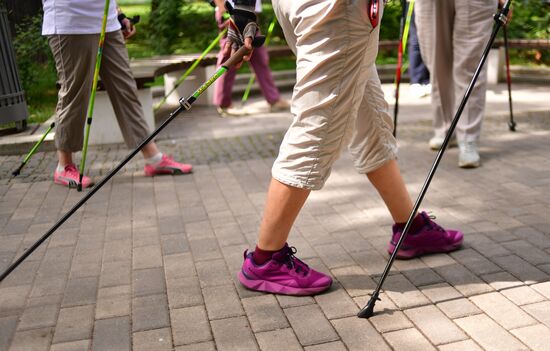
(188,87)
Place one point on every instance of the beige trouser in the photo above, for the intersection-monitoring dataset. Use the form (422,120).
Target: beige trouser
(75,57)
(337,98)
(452,35)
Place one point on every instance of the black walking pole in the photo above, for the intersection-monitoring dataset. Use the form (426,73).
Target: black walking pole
(185,104)
(500,20)
(511,123)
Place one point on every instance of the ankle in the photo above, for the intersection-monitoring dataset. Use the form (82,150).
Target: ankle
(417,224)
(262,256)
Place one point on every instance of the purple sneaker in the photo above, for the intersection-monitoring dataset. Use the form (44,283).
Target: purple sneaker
(431,238)
(283,274)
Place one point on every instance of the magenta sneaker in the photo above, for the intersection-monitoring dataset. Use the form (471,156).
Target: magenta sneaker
(431,238)
(69,177)
(283,274)
(167,166)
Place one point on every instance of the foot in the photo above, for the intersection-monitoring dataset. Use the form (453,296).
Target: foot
(280,106)
(231,112)
(283,274)
(69,177)
(418,91)
(468,157)
(437,142)
(431,238)
(167,166)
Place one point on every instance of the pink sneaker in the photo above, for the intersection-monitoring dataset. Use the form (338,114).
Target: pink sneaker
(283,274)
(69,177)
(431,238)
(167,166)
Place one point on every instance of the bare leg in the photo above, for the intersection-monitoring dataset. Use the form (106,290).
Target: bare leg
(389,183)
(64,158)
(282,206)
(150,150)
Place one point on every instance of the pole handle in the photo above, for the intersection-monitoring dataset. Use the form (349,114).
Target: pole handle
(242,52)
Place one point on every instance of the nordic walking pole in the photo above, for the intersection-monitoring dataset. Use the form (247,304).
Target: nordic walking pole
(92,95)
(500,20)
(33,150)
(185,104)
(191,69)
(405,26)
(511,123)
(253,76)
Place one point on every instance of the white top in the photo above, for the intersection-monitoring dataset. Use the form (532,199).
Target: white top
(77,17)
(258,8)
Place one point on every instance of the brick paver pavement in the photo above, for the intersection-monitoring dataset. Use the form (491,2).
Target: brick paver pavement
(150,263)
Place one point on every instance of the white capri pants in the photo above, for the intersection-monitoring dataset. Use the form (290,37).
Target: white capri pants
(337,99)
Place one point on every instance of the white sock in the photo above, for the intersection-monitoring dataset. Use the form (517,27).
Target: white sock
(155,159)
(60,168)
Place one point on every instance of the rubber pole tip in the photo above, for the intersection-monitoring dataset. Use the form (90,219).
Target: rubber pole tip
(79,187)
(367,311)
(512,126)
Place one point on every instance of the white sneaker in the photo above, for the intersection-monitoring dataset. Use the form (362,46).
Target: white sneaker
(427,89)
(231,112)
(437,141)
(468,156)
(418,90)
(280,106)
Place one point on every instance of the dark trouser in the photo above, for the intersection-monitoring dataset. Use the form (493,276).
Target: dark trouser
(417,69)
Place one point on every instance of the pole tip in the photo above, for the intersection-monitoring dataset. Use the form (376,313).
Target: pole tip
(368,310)
(512,126)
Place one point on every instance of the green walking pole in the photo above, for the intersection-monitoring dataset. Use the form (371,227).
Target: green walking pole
(252,77)
(92,95)
(185,105)
(33,150)
(191,69)
(400,54)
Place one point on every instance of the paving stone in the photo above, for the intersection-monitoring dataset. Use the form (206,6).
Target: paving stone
(521,269)
(147,257)
(541,311)
(150,312)
(158,340)
(501,280)
(310,325)
(408,339)
(417,272)
(336,303)
(233,333)
(335,345)
(174,244)
(204,249)
(80,291)
(222,302)
(35,340)
(403,293)
(458,308)
(502,310)
(74,323)
(292,301)
(280,339)
(537,337)
(522,295)
(489,334)
(463,280)
(264,313)
(203,346)
(528,252)
(112,334)
(440,292)
(460,346)
(179,266)
(475,262)
(190,325)
(113,302)
(355,280)
(357,333)
(80,345)
(148,282)
(12,299)
(118,250)
(543,288)
(7,331)
(115,274)
(184,292)
(435,325)
(387,316)
(334,256)
(213,273)
(38,317)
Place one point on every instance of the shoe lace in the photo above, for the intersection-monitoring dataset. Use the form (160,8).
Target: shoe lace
(469,147)
(293,262)
(433,225)
(71,170)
